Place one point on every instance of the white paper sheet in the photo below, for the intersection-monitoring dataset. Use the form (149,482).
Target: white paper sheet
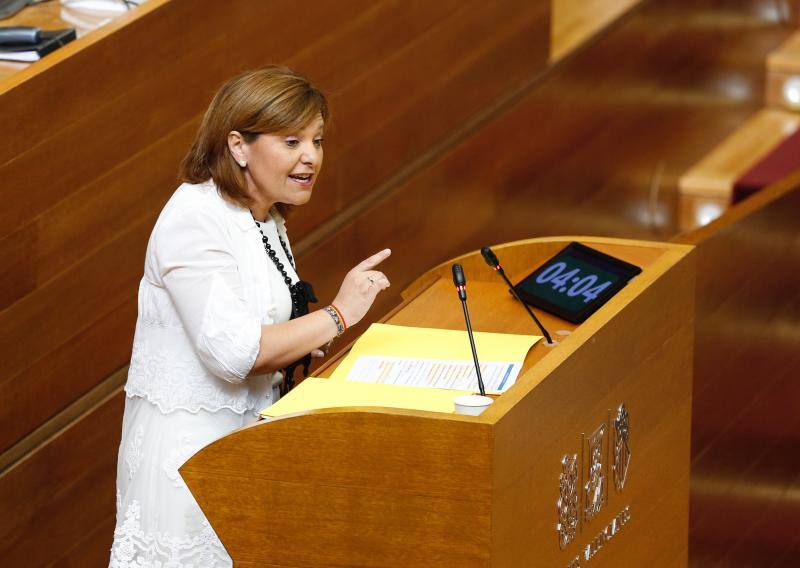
(433,373)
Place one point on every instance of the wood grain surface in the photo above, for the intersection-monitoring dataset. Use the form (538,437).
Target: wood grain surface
(379,487)
(575,21)
(56,501)
(745,408)
(786,58)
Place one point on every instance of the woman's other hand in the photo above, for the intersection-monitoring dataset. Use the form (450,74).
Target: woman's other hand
(360,287)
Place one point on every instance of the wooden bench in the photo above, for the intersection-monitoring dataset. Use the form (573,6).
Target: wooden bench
(706,188)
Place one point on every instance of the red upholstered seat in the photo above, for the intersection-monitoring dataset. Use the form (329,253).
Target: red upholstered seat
(779,163)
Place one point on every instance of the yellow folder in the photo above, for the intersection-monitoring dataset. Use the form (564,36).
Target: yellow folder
(314,393)
(401,341)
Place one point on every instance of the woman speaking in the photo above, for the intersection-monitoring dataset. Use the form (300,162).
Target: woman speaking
(222,309)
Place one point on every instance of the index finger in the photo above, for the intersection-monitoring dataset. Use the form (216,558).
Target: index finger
(374,260)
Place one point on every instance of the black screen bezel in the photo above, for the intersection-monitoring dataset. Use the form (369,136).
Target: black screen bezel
(623,269)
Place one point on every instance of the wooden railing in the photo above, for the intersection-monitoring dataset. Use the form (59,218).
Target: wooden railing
(745,417)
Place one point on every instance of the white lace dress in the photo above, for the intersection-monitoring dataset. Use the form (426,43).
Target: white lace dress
(207,289)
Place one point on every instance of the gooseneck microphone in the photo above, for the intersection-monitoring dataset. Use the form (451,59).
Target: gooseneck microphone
(491,260)
(461,285)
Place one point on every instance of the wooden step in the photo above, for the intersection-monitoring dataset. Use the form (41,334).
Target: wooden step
(783,75)
(706,188)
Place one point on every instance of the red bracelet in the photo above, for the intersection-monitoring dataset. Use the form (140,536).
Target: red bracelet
(338,311)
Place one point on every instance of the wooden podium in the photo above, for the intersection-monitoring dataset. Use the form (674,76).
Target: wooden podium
(583,462)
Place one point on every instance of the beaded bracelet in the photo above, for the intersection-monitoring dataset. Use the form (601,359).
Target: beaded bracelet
(337,319)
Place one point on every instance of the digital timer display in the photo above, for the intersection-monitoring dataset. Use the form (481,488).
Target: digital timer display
(576,282)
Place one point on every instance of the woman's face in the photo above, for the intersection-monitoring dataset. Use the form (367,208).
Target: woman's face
(282,168)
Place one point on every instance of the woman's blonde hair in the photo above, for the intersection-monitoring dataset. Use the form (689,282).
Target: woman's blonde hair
(268,100)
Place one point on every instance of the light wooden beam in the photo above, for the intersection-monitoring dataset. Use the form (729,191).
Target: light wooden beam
(575,21)
(706,188)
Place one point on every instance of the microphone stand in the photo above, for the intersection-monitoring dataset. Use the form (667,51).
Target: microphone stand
(491,260)
(461,286)
(474,352)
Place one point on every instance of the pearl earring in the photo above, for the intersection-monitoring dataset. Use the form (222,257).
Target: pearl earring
(243,163)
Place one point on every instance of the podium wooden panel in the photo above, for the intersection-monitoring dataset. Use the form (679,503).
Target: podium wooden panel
(386,487)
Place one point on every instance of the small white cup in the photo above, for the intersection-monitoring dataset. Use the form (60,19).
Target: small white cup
(472,404)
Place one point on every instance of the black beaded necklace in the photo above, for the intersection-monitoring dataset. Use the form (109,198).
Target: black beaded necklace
(301,293)
(273,256)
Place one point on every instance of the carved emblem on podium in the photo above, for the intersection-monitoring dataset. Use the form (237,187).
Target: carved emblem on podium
(622,452)
(568,500)
(595,487)
(585,481)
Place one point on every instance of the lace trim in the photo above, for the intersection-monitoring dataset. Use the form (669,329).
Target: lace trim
(195,408)
(178,381)
(135,548)
(133,454)
(176,458)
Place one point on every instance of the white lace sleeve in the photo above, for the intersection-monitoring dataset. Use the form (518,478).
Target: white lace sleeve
(198,269)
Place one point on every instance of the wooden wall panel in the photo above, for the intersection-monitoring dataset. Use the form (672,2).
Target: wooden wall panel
(131,107)
(52,499)
(428,73)
(84,255)
(67,372)
(78,297)
(393,114)
(144,47)
(92,548)
(17,273)
(746,417)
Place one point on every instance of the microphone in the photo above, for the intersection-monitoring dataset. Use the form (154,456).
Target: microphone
(460,281)
(492,260)
(461,285)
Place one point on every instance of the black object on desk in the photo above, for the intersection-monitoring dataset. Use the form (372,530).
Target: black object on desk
(576,282)
(30,46)
(19,35)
